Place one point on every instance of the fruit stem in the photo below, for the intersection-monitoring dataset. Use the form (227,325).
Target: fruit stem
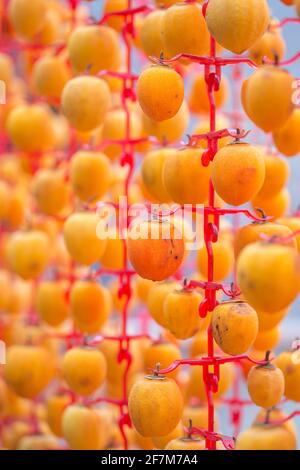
(189,429)
(157,369)
(267,417)
(267,358)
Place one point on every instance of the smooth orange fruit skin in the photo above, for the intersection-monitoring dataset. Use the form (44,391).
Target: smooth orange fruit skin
(286,138)
(255,232)
(160,92)
(240,181)
(268,321)
(291,371)
(274,207)
(51,302)
(170,130)
(81,240)
(152,173)
(156,297)
(266,437)
(84,428)
(90,175)
(95,48)
(55,406)
(269,275)
(235,24)
(28,370)
(181,313)
(293,223)
(155,259)
(163,353)
(85,101)
(276,86)
(198,99)
(267,340)
(185,444)
(90,305)
(51,191)
(28,253)
(84,370)
(150,33)
(181,169)
(184,30)
(277,173)
(269,45)
(155,406)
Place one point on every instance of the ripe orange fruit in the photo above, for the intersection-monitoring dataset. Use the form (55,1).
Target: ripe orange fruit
(181,313)
(265,385)
(113,255)
(267,340)
(170,130)
(155,249)
(186,443)
(293,223)
(275,206)
(268,275)
(51,191)
(49,75)
(266,437)
(84,370)
(150,34)
(30,128)
(80,235)
(84,428)
(85,101)
(160,92)
(290,366)
(277,173)
(181,168)
(268,321)
(51,302)
(152,173)
(27,19)
(223,260)
(286,137)
(90,306)
(156,298)
(55,407)
(28,369)
(184,30)
(271,44)
(237,25)
(198,99)
(235,326)
(163,441)
(155,405)
(116,22)
(253,232)
(90,175)
(164,353)
(240,181)
(276,85)
(94,48)
(28,253)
